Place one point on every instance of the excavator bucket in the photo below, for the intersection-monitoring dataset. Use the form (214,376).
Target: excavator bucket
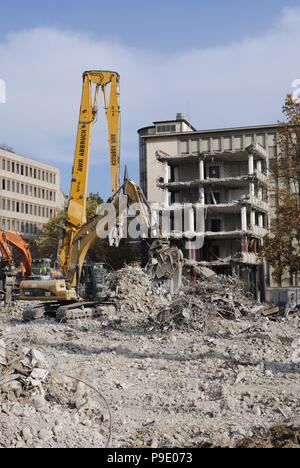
(167,262)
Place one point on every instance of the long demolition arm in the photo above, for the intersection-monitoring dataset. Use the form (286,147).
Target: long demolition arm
(168,258)
(93,82)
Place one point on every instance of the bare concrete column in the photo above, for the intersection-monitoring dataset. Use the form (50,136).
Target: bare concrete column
(202,196)
(252,189)
(259,166)
(201,177)
(201,169)
(190,219)
(252,218)
(251,164)
(244,218)
(166,181)
(260,193)
(260,220)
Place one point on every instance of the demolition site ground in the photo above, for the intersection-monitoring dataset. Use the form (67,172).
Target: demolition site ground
(205,368)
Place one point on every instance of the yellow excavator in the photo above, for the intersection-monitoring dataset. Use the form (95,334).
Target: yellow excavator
(78,290)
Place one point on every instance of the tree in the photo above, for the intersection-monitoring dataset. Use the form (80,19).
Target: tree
(282,245)
(48,242)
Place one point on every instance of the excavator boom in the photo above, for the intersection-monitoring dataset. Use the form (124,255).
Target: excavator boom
(11,239)
(93,83)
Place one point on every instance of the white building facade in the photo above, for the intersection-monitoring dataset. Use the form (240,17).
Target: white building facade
(30,194)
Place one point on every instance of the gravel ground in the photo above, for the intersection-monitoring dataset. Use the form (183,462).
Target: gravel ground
(227,382)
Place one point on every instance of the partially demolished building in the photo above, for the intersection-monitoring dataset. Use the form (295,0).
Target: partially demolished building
(223,171)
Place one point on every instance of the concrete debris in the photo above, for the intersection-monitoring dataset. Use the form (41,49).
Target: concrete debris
(135,293)
(203,368)
(218,295)
(21,368)
(279,436)
(195,269)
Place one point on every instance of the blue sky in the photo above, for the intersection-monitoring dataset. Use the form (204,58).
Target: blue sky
(168,24)
(215,61)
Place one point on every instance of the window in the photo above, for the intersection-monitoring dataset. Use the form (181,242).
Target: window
(30,172)
(39,193)
(214,253)
(22,189)
(18,187)
(39,211)
(3,184)
(30,209)
(13,167)
(26,209)
(34,174)
(22,170)
(35,210)
(39,175)
(18,168)
(35,192)
(215,198)
(8,205)
(216,225)
(13,185)
(3,164)
(17,207)
(43,212)
(22,207)
(3,204)
(26,190)
(166,128)
(8,165)
(8,185)
(214,172)
(26,171)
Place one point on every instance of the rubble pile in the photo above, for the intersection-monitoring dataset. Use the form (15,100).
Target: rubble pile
(280,436)
(132,288)
(22,370)
(221,295)
(43,408)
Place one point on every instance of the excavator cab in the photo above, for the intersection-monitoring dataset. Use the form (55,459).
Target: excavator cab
(41,269)
(92,284)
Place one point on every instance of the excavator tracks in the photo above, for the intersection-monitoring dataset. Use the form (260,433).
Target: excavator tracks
(65,313)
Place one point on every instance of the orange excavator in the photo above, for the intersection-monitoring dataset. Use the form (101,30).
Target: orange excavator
(12,245)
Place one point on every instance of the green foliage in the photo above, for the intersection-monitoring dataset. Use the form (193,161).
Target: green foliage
(47,243)
(281,247)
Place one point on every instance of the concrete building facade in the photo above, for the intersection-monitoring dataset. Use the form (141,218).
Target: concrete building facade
(30,194)
(226,172)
